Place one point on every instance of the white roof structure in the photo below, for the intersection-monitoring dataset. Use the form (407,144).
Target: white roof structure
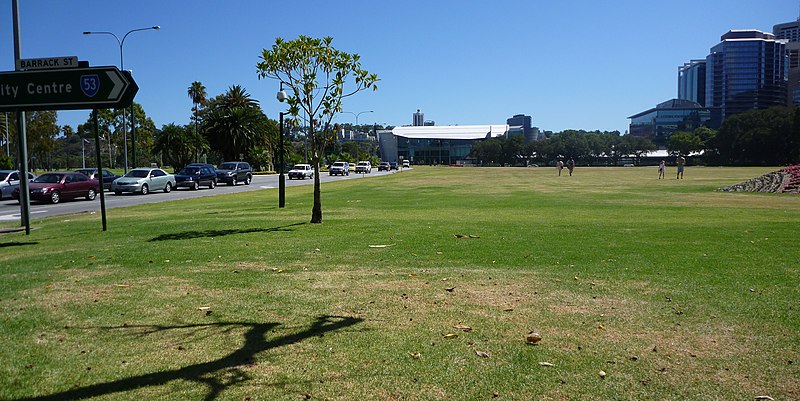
(453,132)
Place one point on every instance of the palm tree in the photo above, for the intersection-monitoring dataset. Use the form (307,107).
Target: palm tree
(197,92)
(235,123)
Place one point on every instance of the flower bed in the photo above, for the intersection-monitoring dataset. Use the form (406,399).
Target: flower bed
(786,180)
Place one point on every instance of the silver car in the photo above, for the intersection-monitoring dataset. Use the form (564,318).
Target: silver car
(9,180)
(144,180)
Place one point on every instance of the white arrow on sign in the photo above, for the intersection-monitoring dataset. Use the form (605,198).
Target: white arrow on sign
(119,85)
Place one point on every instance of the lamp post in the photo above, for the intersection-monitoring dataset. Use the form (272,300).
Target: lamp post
(281,179)
(122,67)
(358,114)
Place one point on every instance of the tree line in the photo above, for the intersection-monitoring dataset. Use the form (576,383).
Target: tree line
(767,137)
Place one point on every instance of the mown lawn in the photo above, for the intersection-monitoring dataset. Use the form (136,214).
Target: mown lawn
(673,290)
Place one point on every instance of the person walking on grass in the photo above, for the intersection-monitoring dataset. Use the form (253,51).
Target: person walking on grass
(571,166)
(681,162)
(559,167)
(662,167)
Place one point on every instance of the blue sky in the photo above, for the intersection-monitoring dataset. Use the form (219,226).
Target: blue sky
(570,64)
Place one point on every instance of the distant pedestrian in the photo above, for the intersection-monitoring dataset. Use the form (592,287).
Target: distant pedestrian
(559,167)
(662,167)
(681,162)
(571,166)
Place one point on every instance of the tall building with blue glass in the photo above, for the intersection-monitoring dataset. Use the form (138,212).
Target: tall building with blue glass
(747,70)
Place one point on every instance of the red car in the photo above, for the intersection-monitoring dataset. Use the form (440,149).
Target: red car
(55,187)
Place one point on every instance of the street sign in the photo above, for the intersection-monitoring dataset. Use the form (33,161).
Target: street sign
(49,63)
(66,89)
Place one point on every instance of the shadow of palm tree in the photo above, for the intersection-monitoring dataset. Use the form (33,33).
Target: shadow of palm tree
(204,372)
(220,233)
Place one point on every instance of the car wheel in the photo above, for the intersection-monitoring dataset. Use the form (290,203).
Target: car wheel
(248,180)
(195,186)
(233,182)
(91,194)
(118,193)
(213,184)
(168,188)
(55,197)
(145,190)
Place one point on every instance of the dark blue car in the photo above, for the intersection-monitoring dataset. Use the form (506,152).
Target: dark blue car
(195,177)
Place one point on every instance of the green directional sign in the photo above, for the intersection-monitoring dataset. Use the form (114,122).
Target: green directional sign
(66,89)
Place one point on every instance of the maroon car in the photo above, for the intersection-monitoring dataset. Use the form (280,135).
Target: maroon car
(55,187)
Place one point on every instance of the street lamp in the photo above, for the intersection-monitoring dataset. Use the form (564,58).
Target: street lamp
(122,67)
(358,114)
(281,179)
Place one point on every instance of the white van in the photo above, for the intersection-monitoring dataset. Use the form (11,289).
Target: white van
(406,164)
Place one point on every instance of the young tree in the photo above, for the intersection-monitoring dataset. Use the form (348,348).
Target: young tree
(315,74)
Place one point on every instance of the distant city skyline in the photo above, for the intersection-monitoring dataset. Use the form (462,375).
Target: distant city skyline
(576,65)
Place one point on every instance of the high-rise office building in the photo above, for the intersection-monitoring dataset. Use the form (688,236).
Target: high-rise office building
(692,81)
(419,119)
(747,70)
(791,31)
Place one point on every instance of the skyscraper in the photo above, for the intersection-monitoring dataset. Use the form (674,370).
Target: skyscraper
(419,119)
(692,81)
(747,70)
(791,31)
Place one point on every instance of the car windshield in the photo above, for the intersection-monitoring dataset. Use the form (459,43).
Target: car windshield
(3,176)
(338,164)
(190,171)
(137,174)
(299,167)
(227,166)
(49,178)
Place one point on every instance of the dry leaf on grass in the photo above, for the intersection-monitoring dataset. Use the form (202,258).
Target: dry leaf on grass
(533,338)
(382,246)
(546,364)
(463,327)
(415,355)
(450,335)
(466,236)
(482,354)
(450,289)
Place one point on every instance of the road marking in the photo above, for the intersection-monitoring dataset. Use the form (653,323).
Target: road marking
(12,217)
(266,187)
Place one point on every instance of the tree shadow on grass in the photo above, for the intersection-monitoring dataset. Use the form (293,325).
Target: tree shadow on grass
(206,373)
(220,233)
(10,244)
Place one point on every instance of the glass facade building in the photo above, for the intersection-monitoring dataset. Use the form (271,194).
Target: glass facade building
(657,124)
(748,70)
(692,81)
(791,31)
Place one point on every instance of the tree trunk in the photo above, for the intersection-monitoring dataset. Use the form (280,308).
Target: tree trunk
(316,212)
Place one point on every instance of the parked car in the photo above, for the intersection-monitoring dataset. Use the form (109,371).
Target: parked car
(144,180)
(339,168)
(364,167)
(384,166)
(235,172)
(55,187)
(393,165)
(301,172)
(406,164)
(108,176)
(9,180)
(195,176)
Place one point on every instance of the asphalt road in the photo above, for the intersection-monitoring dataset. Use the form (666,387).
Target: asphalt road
(10,210)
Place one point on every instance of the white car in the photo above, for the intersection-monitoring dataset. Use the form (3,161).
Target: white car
(9,180)
(144,180)
(364,167)
(301,172)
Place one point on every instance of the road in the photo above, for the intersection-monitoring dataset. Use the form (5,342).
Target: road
(10,211)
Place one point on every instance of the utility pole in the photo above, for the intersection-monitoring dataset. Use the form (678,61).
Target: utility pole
(24,201)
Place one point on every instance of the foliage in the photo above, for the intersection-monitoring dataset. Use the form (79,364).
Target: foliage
(41,131)
(111,134)
(178,145)
(759,137)
(315,75)
(5,162)
(235,124)
(684,143)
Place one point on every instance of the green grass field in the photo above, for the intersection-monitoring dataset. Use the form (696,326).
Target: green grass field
(673,290)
